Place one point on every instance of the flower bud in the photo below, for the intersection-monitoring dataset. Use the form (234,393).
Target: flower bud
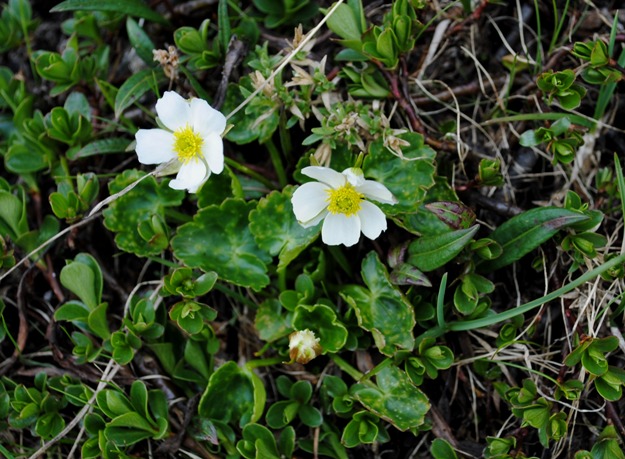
(303,346)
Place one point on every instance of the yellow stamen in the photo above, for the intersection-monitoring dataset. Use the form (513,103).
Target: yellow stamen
(344,200)
(187,144)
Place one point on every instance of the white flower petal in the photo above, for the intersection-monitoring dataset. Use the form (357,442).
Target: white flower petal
(173,111)
(376,191)
(154,146)
(354,176)
(190,177)
(213,151)
(315,221)
(340,229)
(372,220)
(205,119)
(308,201)
(326,175)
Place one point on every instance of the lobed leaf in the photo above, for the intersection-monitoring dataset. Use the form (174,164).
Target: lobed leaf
(219,239)
(276,229)
(395,399)
(381,309)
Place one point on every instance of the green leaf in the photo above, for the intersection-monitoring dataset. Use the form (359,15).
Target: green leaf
(454,214)
(276,230)
(380,308)
(84,281)
(12,213)
(22,159)
(220,240)
(233,396)
(322,320)
(525,232)
(406,274)
(395,399)
(145,201)
(271,321)
(97,321)
(345,23)
(73,311)
(255,438)
(440,449)
(223,22)
(128,7)
(408,179)
(100,147)
(431,252)
(140,41)
(134,87)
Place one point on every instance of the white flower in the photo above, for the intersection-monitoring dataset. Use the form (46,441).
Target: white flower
(303,346)
(340,199)
(192,135)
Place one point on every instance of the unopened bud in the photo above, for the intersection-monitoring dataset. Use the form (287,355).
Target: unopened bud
(303,346)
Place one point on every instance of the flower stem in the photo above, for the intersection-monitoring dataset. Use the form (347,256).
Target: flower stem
(249,172)
(351,371)
(251,364)
(277,162)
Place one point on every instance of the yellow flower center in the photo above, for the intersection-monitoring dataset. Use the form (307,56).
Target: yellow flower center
(344,200)
(187,144)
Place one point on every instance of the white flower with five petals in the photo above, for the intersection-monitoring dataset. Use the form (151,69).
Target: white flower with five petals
(340,199)
(191,135)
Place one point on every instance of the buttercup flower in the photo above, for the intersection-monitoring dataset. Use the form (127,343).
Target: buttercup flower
(192,135)
(303,346)
(340,200)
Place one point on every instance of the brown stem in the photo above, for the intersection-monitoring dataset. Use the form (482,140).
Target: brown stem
(614,417)
(48,272)
(393,80)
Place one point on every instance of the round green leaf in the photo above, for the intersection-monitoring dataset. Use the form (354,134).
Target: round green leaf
(233,396)
(322,320)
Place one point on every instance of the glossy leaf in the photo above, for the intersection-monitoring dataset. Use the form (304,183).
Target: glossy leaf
(322,320)
(380,308)
(431,252)
(276,229)
(257,439)
(408,179)
(394,399)
(456,215)
(233,395)
(525,232)
(219,239)
(84,278)
(441,449)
